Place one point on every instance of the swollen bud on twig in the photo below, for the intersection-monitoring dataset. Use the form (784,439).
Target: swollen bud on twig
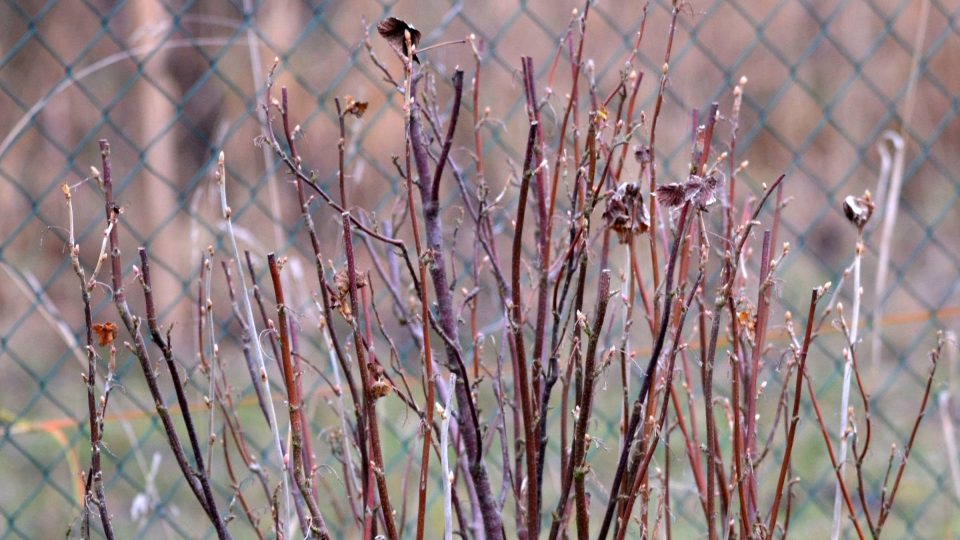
(97,176)
(821,290)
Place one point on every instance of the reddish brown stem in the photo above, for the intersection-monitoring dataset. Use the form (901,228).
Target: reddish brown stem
(516,325)
(578,456)
(293,164)
(318,527)
(655,266)
(640,475)
(795,414)
(543,248)
(888,504)
(833,457)
(645,386)
(235,485)
(750,392)
(728,276)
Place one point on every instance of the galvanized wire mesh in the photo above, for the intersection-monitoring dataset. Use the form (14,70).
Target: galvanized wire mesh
(172,83)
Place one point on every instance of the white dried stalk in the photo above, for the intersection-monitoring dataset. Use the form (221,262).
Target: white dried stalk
(446,414)
(892,204)
(849,351)
(252,326)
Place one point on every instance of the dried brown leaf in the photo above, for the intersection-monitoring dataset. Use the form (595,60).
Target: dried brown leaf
(673,194)
(354,107)
(702,191)
(858,209)
(392,30)
(342,282)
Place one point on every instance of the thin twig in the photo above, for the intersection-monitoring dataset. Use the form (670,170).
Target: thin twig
(888,504)
(96,413)
(198,481)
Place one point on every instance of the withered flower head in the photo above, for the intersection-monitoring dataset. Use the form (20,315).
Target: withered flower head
(342,281)
(380,388)
(642,154)
(858,209)
(626,213)
(392,30)
(702,191)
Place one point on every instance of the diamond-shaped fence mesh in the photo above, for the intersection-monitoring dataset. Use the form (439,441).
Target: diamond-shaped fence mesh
(171,83)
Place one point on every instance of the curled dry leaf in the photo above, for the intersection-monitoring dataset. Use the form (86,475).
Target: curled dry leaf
(354,107)
(392,29)
(626,213)
(601,115)
(858,209)
(106,333)
(673,194)
(702,191)
(747,317)
(342,281)
(707,193)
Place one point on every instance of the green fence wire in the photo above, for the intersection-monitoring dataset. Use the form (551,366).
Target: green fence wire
(171,83)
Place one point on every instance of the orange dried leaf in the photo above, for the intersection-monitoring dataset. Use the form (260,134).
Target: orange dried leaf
(354,107)
(106,333)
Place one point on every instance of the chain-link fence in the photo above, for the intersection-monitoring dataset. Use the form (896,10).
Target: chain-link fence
(172,83)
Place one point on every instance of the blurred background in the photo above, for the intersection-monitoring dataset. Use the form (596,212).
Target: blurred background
(171,83)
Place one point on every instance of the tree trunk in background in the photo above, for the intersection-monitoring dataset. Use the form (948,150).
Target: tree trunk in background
(159,181)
